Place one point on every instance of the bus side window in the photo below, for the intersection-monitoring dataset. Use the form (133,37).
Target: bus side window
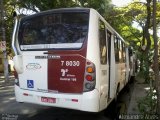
(124,52)
(1,61)
(116,49)
(120,51)
(102,43)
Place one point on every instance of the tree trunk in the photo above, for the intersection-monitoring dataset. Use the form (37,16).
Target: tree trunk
(4,39)
(147,26)
(146,40)
(156,66)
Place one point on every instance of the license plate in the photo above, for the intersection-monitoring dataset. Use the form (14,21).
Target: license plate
(48,100)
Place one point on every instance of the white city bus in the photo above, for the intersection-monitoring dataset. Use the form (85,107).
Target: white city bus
(70,58)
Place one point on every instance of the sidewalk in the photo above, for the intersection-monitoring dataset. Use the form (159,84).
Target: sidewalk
(139,91)
(10,80)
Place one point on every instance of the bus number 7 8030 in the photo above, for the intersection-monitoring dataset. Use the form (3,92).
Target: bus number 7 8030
(70,63)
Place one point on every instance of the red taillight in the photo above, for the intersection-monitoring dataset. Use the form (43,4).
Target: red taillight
(15,73)
(89,77)
(16,77)
(25,94)
(74,100)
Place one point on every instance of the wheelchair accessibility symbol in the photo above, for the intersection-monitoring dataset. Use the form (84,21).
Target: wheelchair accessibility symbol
(30,84)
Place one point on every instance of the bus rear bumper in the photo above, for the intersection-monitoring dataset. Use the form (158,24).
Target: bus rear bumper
(87,101)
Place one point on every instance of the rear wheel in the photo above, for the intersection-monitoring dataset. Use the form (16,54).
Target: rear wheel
(116,108)
(132,79)
(113,110)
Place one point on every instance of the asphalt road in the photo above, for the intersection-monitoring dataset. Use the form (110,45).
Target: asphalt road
(11,110)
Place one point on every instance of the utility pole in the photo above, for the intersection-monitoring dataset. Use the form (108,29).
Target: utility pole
(3,41)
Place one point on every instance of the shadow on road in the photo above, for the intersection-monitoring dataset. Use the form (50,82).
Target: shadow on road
(25,111)
(66,114)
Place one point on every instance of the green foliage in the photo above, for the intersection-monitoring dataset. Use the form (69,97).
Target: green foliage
(101,6)
(123,24)
(146,64)
(122,20)
(42,5)
(147,104)
(9,21)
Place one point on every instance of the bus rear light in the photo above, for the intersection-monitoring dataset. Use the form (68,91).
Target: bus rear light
(15,74)
(16,77)
(25,94)
(89,78)
(90,70)
(89,86)
(74,100)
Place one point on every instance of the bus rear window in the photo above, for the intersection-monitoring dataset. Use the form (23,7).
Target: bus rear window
(66,30)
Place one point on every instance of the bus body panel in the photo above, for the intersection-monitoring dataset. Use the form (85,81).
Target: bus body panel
(93,44)
(66,74)
(102,70)
(18,63)
(53,73)
(34,76)
(88,101)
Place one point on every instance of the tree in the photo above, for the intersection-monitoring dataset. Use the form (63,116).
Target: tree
(9,8)
(122,20)
(156,66)
(3,38)
(102,6)
(42,5)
